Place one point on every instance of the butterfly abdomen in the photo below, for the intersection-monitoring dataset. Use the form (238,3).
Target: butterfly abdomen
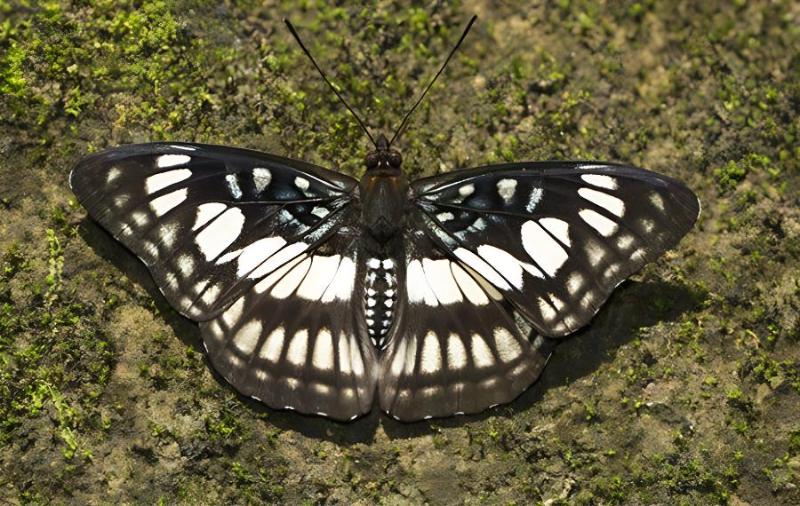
(380,297)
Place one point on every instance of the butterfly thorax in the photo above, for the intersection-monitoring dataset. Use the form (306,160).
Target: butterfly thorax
(383,201)
(384,193)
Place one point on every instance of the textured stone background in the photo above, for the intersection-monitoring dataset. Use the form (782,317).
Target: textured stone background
(684,389)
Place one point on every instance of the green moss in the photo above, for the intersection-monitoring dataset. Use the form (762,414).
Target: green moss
(54,362)
(733,172)
(223,426)
(12,80)
(773,372)
(794,442)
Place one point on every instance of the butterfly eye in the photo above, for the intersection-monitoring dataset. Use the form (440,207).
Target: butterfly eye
(372,160)
(395,160)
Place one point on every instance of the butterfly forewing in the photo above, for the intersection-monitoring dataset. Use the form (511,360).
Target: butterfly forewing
(208,221)
(555,238)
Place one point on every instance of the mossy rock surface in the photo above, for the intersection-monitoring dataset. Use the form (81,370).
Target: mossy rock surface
(685,389)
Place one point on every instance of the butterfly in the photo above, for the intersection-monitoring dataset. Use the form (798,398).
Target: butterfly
(324,294)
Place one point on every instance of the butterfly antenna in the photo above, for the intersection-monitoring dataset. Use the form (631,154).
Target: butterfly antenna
(425,92)
(335,91)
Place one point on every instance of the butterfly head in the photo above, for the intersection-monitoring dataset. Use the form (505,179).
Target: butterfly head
(384,157)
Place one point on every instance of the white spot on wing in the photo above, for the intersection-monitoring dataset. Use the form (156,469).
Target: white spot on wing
(288,284)
(221,233)
(456,352)
(233,186)
(168,233)
(597,221)
(298,348)
(625,241)
(261,178)
(558,228)
(210,295)
(440,279)
(506,188)
(343,351)
(469,286)
(657,201)
(431,354)
(278,259)
(417,285)
(533,199)
(165,203)
(600,180)
(355,357)
(595,252)
(206,212)
(257,252)
(265,284)
(487,287)
(507,346)
(322,358)
(612,271)
(543,249)
(172,281)
(484,269)
(503,262)
(481,353)
(411,357)
(575,283)
(165,161)
(140,219)
(319,277)
(301,183)
(533,270)
(548,312)
(121,200)
(233,313)
(185,265)
(399,358)
(216,330)
(466,190)
(161,180)
(321,389)
(113,174)
(479,224)
(272,347)
(246,338)
(341,287)
(608,202)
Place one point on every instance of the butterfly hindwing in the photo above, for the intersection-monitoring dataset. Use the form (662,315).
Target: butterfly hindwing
(456,346)
(555,238)
(296,340)
(210,221)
